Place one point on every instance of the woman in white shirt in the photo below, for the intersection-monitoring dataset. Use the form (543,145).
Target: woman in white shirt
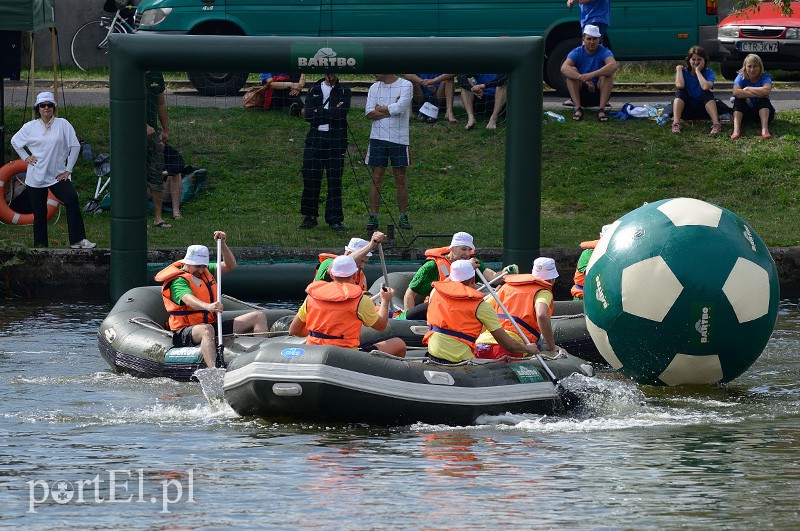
(50,148)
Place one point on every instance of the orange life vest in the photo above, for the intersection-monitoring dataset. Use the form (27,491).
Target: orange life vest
(453,311)
(332,314)
(360,278)
(439,255)
(580,276)
(517,295)
(181,315)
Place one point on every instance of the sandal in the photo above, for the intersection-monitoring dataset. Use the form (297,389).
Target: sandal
(177,216)
(715,129)
(602,116)
(676,128)
(162,225)
(578,114)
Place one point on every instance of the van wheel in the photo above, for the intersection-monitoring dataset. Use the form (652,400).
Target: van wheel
(218,83)
(730,70)
(554,62)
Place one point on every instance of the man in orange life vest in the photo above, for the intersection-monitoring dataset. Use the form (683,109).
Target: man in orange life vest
(334,312)
(456,315)
(529,300)
(190,296)
(437,267)
(360,250)
(583,261)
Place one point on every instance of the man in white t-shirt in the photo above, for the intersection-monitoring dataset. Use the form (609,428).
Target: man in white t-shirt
(389,108)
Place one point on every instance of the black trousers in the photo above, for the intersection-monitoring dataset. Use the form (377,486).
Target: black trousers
(65,193)
(324,152)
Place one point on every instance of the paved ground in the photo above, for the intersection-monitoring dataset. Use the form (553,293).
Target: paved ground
(787,97)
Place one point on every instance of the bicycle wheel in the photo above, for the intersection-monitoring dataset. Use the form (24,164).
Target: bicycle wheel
(89,45)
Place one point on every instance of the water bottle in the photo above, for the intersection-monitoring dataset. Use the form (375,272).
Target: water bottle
(554,116)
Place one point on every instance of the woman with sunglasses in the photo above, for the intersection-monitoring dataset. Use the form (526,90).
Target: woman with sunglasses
(50,148)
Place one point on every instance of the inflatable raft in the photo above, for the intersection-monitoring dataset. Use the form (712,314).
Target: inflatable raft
(313,382)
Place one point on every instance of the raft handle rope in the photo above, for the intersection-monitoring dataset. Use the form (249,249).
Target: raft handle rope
(152,325)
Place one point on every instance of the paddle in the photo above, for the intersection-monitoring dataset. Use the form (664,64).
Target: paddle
(516,325)
(383,266)
(220,349)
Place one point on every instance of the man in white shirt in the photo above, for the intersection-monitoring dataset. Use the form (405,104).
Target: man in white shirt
(389,108)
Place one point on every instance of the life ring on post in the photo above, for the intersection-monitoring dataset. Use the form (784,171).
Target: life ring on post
(10,216)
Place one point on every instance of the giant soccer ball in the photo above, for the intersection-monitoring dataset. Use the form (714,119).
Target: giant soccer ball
(681,291)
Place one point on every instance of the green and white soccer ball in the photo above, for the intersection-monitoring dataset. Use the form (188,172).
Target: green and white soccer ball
(681,291)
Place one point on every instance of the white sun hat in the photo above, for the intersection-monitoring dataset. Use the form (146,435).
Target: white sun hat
(355,244)
(462,239)
(545,268)
(343,266)
(196,255)
(461,270)
(430,110)
(45,97)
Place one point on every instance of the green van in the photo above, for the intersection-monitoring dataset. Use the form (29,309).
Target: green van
(639,30)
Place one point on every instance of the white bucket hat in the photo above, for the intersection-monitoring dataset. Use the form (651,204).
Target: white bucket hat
(45,97)
(545,268)
(196,255)
(430,110)
(462,239)
(461,270)
(343,266)
(355,244)
(591,30)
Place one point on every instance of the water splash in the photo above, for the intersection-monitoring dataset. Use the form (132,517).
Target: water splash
(211,381)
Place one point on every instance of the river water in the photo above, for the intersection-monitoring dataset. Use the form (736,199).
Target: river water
(82,447)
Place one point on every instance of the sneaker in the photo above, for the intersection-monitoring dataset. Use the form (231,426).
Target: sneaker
(372,223)
(309,222)
(404,223)
(338,227)
(84,244)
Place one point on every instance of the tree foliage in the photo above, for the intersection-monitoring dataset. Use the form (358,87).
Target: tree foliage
(785,5)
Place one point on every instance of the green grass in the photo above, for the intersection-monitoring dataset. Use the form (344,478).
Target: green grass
(592,174)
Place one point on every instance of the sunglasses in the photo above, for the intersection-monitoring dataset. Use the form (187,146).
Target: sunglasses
(46,105)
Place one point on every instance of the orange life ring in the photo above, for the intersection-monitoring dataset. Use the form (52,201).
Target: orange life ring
(10,216)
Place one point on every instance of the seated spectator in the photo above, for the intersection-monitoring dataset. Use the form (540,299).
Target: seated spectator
(284,91)
(483,94)
(751,90)
(436,89)
(693,97)
(589,72)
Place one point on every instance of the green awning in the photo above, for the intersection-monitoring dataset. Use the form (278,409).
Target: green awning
(26,15)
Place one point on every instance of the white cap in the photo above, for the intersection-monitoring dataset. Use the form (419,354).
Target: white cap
(462,239)
(430,110)
(461,270)
(343,267)
(591,30)
(196,255)
(356,244)
(45,97)
(605,229)
(545,268)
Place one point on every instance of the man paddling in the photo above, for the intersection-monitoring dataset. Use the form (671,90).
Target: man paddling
(456,315)
(437,267)
(334,312)
(357,248)
(529,301)
(190,296)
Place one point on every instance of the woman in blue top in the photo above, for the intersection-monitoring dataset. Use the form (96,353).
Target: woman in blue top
(693,97)
(751,90)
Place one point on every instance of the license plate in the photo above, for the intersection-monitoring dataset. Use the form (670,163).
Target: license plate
(758,46)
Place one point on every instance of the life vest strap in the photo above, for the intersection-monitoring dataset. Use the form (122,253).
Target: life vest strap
(321,335)
(453,333)
(522,323)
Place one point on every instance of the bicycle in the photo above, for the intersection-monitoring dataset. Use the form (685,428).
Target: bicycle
(89,46)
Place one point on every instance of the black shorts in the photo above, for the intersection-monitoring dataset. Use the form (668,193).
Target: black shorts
(183,337)
(381,152)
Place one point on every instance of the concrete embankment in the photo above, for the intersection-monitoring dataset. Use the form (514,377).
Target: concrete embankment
(76,274)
